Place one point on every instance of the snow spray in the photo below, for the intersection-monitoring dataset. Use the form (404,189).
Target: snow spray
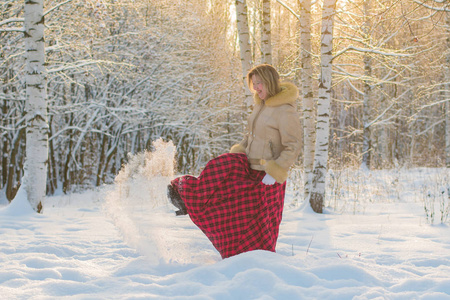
(139,192)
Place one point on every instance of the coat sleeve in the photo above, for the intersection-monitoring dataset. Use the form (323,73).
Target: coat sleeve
(240,148)
(290,133)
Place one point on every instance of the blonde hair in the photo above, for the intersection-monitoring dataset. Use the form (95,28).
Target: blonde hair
(269,77)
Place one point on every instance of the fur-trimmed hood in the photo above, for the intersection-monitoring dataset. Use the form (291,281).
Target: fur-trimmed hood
(288,95)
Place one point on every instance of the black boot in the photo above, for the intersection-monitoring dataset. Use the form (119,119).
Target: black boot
(176,200)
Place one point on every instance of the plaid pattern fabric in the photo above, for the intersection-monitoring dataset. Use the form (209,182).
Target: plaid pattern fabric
(230,204)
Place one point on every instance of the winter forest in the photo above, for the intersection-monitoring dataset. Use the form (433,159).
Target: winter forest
(116,75)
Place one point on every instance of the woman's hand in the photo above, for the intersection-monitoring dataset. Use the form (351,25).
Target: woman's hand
(268,180)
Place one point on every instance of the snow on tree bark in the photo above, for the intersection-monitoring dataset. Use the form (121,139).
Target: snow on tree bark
(307,93)
(34,180)
(317,194)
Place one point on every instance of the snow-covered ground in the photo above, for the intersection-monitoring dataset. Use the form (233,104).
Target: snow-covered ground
(125,242)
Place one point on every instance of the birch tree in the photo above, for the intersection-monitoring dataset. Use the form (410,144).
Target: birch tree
(34,181)
(447,92)
(266,39)
(317,195)
(307,93)
(308,103)
(244,46)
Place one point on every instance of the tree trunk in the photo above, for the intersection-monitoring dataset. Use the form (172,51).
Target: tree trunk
(35,177)
(244,46)
(317,196)
(266,40)
(309,133)
(5,146)
(66,168)
(52,175)
(447,94)
(11,186)
(102,159)
(112,150)
(366,149)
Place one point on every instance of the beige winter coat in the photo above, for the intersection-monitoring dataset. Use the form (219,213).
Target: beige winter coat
(272,140)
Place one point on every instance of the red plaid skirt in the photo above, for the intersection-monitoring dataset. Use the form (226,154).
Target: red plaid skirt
(230,204)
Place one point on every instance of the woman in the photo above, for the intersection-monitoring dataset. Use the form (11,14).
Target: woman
(237,200)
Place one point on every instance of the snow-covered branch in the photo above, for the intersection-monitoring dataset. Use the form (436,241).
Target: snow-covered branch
(56,7)
(431,127)
(81,64)
(443,8)
(435,103)
(289,9)
(12,29)
(363,50)
(11,20)
(394,101)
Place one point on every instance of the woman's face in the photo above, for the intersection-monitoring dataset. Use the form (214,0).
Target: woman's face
(259,87)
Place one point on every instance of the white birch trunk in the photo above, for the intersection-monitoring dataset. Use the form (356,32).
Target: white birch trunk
(447,94)
(35,175)
(244,46)
(367,91)
(309,133)
(266,40)
(317,195)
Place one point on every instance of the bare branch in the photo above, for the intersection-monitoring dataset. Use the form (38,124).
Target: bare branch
(56,7)
(434,103)
(289,9)
(16,29)
(12,20)
(386,110)
(431,127)
(444,8)
(352,48)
